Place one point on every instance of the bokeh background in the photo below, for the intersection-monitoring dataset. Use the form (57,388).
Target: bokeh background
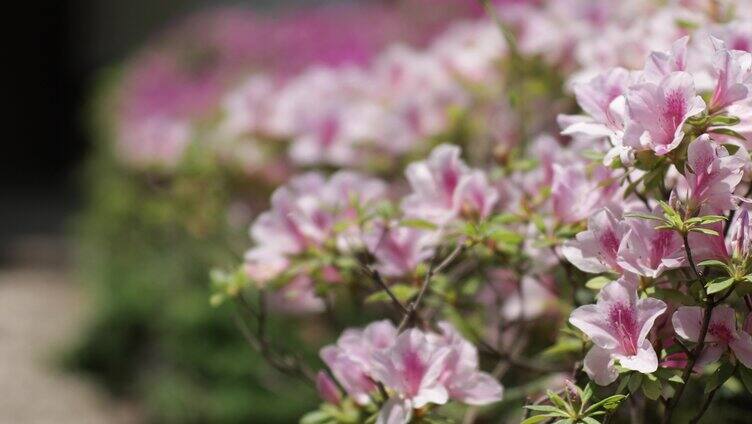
(91,327)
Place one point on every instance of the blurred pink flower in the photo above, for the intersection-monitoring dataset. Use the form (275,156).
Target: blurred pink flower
(722,333)
(444,188)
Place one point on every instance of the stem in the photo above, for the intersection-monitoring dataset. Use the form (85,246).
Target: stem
(413,307)
(637,192)
(705,405)
(376,277)
(695,354)
(285,364)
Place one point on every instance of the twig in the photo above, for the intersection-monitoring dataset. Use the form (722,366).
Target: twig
(284,363)
(695,353)
(705,405)
(432,270)
(376,277)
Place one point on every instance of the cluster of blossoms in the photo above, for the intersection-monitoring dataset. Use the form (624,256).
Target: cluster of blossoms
(362,101)
(418,368)
(611,245)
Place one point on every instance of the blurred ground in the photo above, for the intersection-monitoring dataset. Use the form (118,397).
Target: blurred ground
(40,309)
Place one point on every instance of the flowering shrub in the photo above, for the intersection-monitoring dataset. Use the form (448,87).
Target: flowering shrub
(461,239)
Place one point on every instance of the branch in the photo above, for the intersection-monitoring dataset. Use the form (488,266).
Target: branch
(432,270)
(285,364)
(695,353)
(376,277)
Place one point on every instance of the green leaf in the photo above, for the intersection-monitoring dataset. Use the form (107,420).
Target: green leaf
(502,235)
(719,284)
(316,417)
(713,262)
(544,408)
(401,291)
(702,230)
(589,420)
(723,373)
(586,394)
(505,218)
(563,346)
(537,419)
(643,215)
(675,296)
(609,404)
(745,374)
(724,120)
(651,388)
(597,283)
(727,131)
(558,401)
(420,224)
(634,382)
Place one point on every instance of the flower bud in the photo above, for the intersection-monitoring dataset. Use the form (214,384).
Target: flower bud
(327,388)
(741,234)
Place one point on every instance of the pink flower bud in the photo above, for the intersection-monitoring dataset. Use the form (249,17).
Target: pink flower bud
(327,388)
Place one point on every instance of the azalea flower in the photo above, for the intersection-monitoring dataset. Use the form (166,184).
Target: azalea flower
(576,195)
(711,175)
(464,382)
(602,99)
(648,251)
(596,250)
(618,324)
(722,333)
(444,188)
(662,64)
(399,250)
(412,369)
(351,359)
(657,112)
(733,74)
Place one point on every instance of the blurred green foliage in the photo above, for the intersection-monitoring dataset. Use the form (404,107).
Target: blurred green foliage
(146,245)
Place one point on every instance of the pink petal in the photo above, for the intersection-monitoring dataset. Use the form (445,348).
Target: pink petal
(646,361)
(742,348)
(687,322)
(594,324)
(395,411)
(599,366)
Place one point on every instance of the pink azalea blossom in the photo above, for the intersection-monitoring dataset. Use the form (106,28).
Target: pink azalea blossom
(303,214)
(596,250)
(602,100)
(296,296)
(711,175)
(412,369)
(154,142)
(648,251)
(662,64)
(736,244)
(722,333)
(658,110)
(576,195)
(740,233)
(399,250)
(464,382)
(733,78)
(351,359)
(444,188)
(618,324)
(471,50)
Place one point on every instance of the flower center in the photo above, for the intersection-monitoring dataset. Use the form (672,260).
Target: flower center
(721,332)
(624,323)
